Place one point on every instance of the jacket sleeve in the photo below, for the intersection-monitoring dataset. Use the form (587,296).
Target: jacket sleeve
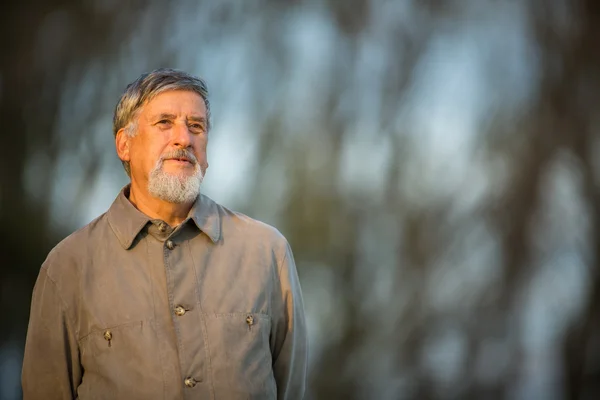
(290,353)
(51,368)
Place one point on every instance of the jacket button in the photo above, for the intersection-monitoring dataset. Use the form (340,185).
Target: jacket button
(108,335)
(250,320)
(162,227)
(189,382)
(179,311)
(170,245)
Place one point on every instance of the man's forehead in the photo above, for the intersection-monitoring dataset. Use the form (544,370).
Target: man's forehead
(176,102)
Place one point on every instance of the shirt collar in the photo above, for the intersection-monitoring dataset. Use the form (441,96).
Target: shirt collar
(126,221)
(205,214)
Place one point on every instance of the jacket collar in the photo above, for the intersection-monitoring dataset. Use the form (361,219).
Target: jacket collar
(126,221)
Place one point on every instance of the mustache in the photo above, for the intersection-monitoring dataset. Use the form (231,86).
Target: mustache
(180,153)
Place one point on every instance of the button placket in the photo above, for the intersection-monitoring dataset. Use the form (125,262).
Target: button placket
(182,293)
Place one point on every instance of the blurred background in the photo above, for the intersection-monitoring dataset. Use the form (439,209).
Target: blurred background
(434,165)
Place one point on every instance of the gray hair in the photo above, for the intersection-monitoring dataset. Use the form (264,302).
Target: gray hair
(148,86)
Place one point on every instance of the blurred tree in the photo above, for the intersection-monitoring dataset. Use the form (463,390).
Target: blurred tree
(397,229)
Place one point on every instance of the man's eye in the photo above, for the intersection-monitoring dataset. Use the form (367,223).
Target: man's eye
(163,122)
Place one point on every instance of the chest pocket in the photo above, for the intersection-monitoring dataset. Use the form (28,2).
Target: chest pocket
(240,355)
(119,362)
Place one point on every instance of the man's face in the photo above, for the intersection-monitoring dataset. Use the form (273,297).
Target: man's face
(167,155)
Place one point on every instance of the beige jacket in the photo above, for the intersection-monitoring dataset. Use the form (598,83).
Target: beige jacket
(129,308)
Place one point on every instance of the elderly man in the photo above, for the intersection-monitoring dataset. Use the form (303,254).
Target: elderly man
(168,295)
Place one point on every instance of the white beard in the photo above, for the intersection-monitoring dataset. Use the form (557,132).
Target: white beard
(175,188)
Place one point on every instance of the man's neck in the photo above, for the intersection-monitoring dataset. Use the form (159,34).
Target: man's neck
(172,214)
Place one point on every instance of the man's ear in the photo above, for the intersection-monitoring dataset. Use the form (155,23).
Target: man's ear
(122,141)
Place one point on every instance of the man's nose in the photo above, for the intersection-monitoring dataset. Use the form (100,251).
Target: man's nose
(181,135)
